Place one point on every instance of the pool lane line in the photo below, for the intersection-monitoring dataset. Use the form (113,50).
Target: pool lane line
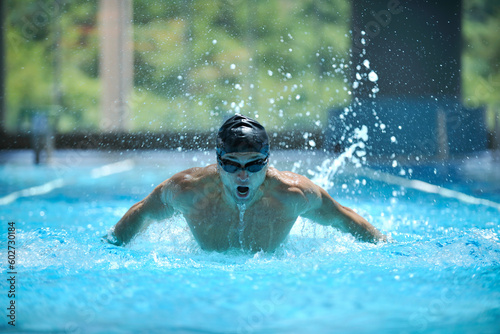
(32,191)
(114,168)
(427,187)
(96,173)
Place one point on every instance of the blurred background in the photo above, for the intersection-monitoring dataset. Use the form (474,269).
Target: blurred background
(141,73)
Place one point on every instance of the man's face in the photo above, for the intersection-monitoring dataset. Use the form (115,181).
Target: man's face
(242,183)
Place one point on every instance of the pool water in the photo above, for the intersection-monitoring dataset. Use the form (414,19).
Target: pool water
(439,274)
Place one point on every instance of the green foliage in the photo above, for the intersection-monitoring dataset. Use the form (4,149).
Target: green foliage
(210,59)
(26,85)
(193,59)
(52,61)
(481,55)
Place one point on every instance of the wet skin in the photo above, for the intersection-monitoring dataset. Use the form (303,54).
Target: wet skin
(212,201)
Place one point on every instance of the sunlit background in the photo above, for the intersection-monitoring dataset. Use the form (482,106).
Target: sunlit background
(182,66)
(191,62)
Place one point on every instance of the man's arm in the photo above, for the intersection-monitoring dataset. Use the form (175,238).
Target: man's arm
(324,210)
(140,215)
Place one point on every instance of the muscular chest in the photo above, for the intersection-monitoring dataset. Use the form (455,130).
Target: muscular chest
(219,227)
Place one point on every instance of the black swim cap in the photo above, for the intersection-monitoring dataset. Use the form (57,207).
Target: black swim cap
(242,134)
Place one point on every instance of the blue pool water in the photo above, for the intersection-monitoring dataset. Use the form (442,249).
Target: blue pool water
(439,274)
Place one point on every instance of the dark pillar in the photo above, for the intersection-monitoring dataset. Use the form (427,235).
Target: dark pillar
(406,79)
(414,46)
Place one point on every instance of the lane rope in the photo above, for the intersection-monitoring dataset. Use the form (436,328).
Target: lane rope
(426,187)
(96,173)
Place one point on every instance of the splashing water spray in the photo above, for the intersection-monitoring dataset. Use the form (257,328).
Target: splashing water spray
(241,225)
(354,154)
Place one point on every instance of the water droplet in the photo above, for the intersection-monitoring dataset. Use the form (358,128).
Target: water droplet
(372,76)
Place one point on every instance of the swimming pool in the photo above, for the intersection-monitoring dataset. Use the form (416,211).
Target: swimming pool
(440,273)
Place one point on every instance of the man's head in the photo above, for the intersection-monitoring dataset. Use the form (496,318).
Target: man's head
(242,156)
(242,134)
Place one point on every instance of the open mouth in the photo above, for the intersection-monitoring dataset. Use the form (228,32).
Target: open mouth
(242,191)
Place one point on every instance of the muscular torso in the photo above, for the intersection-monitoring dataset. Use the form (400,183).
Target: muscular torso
(218,225)
(258,227)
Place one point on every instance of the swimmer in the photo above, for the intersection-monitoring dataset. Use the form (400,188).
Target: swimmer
(241,201)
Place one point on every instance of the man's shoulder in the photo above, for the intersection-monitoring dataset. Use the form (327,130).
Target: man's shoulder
(290,182)
(195,176)
(293,190)
(182,186)
(180,191)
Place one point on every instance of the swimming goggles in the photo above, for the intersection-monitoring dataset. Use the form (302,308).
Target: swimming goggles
(252,167)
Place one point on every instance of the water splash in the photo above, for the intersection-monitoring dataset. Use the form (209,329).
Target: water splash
(241,225)
(353,154)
